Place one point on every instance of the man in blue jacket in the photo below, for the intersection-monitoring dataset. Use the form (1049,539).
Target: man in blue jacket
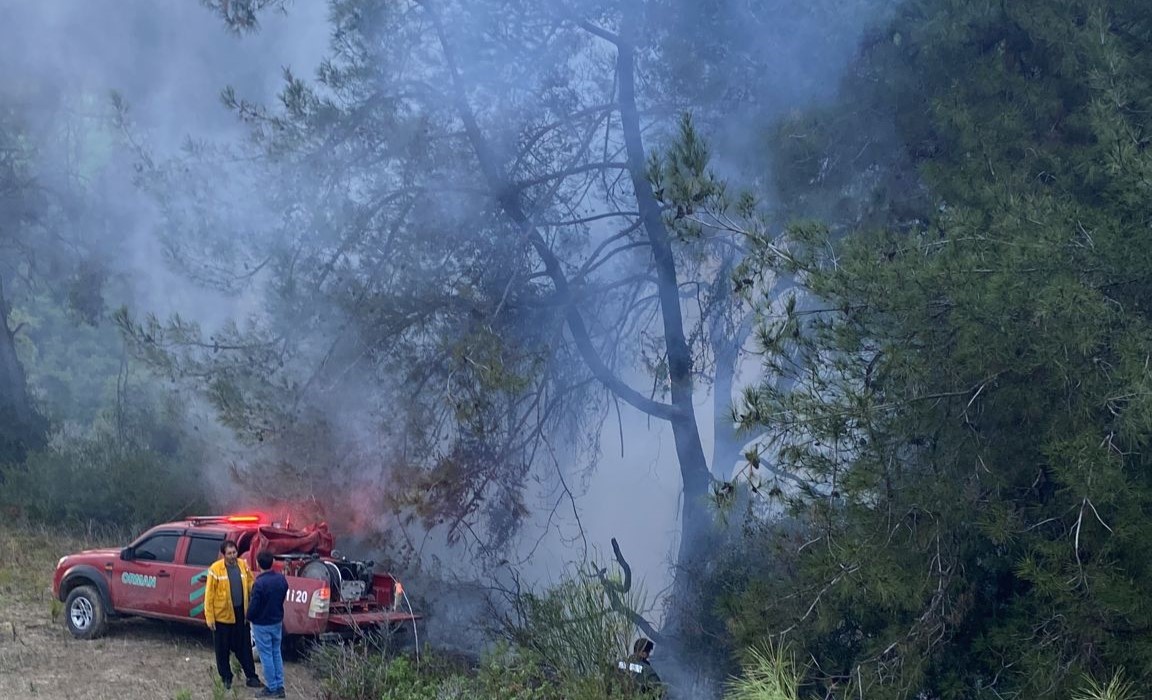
(266,614)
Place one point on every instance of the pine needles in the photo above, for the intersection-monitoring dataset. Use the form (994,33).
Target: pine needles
(1116,689)
(770,673)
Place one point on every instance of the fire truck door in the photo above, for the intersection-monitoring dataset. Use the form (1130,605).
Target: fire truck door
(143,583)
(190,576)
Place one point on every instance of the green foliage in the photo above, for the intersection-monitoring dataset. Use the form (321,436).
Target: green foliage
(960,389)
(81,435)
(132,471)
(1115,689)
(358,673)
(362,674)
(243,15)
(575,629)
(470,299)
(247,387)
(120,451)
(219,692)
(768,674)
(73,381)
(562,643)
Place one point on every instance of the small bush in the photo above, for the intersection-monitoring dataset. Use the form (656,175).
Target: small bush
(1116,689)
(573,630)
(769,674)
(359,672)
(506,673)
(218,690)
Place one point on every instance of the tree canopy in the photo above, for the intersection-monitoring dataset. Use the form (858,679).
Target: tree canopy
(463,226)
(968,362)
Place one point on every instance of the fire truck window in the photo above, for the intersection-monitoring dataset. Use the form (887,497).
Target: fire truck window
(202,551)
(160,548)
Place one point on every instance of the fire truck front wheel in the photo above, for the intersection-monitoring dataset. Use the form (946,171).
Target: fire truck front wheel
(84,613)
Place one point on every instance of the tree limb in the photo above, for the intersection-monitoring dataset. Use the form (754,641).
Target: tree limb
(568,172)
(615,591)
(510,203)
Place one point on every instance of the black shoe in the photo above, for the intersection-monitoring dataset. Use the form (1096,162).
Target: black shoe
(254,682)
(269,693)
(227,685)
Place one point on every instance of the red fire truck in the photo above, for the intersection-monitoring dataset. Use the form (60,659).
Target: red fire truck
(162,575)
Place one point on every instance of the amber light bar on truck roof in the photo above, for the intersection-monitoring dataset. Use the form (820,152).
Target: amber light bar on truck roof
(254,518)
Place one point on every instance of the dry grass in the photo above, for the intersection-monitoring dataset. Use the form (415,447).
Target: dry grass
(28,557)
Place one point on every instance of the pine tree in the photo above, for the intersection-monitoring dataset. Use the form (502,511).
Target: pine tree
(967,392)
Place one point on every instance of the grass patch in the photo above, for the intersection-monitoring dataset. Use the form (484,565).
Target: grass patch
(28,556)
(362,673)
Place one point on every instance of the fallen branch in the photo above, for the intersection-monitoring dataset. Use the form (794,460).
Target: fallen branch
(615,592)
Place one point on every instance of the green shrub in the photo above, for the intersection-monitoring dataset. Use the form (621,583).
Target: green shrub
(360,672)
(100,476)
(1116,689)
(769,674)
(218,690)
(574,631)
(507,673)
(561,644)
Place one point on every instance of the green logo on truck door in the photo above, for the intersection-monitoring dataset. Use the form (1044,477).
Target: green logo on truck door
(197,594)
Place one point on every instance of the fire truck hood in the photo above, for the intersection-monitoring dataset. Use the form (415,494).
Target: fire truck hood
(106,552)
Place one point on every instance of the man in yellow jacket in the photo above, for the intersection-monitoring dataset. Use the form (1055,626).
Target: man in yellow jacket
(225,611)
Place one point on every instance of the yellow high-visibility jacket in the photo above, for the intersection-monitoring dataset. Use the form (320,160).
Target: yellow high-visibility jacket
(218,593)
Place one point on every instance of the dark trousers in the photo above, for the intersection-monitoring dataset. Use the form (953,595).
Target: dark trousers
(233,639)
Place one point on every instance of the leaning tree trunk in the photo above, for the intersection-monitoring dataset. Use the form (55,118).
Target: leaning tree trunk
(21,428)
(696,518)
(696,480)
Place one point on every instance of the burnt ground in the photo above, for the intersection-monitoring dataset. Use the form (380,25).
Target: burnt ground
(136,660)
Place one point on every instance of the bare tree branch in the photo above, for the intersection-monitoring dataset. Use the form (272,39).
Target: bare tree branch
(510,203)
(615,592)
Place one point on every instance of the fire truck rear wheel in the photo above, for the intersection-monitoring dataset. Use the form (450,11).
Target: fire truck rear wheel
(296,647)
(84,613)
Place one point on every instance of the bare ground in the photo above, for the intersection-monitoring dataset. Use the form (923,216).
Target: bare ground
(136,660)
